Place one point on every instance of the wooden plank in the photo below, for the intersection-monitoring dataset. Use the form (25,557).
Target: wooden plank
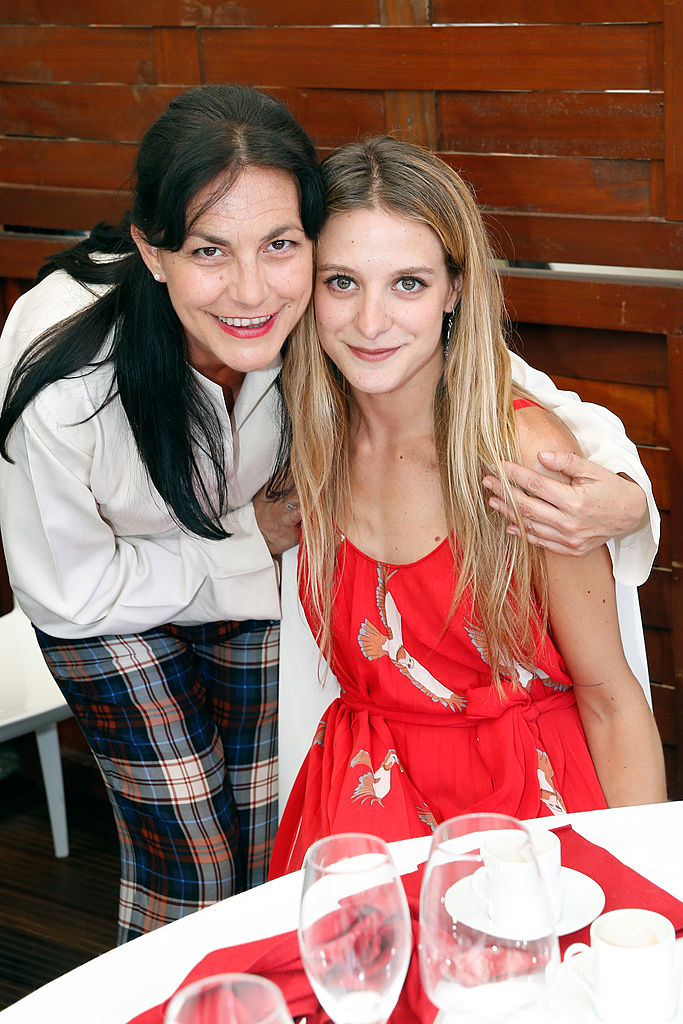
(315,12)
(614,304)
(67,54)
(470,57)
(673,110)
(644,411)
(67,163)
(675,348)
(10,290)
(411,114)
(617,125)
(596,355)
(677,645)
(537,11)
(60,208)
(663,557)
(565,185)
(176,56)
(21,256)
(664,708)
(594,240)
(180,12)
(117,113)
(333,117)
(657,464)
(122,113)
(659,656)
(655,599)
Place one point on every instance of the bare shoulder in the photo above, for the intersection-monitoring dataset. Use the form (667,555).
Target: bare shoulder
(539,430)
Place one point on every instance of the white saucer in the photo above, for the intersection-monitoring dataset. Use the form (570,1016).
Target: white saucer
(571,1002)
(582,901)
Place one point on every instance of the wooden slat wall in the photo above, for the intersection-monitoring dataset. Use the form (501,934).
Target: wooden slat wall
(566,118)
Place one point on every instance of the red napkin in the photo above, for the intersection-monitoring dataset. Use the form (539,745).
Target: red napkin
(622,886)
(278,958)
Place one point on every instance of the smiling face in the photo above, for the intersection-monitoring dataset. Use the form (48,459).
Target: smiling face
(381,290)
(243,276)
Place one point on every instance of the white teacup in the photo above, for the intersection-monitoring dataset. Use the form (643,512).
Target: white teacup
(631,972)
(508,882)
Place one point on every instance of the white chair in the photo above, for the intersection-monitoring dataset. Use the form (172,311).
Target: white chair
(30,701)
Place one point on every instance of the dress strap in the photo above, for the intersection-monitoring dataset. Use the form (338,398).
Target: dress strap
(524,403)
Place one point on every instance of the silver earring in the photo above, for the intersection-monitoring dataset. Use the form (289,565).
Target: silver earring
(448,324)
(157,277)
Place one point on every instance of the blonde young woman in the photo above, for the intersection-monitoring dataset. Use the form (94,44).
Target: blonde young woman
(477,671)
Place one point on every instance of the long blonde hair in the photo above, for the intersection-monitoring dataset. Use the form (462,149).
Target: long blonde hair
(474,420)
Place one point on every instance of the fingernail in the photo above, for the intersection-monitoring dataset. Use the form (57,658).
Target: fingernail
(487,481)
(547,455)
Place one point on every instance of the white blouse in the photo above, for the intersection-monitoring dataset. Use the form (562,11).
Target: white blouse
(91,547)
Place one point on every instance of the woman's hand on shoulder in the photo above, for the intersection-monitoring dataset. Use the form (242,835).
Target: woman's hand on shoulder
(570,505)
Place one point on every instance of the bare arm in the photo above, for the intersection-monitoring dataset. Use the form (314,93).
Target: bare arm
(620,729)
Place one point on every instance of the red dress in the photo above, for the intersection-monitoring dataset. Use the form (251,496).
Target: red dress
(419,734)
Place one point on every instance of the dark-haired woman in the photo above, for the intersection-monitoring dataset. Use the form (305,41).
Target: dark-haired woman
(143,421)
(141,417)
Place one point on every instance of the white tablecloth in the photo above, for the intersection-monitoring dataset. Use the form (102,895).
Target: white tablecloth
(116,986)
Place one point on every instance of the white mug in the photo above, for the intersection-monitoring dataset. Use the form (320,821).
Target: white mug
(508,882)
(629,968)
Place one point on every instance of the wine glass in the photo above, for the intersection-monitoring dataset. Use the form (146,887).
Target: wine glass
(228,999)
(355,933)
(487,933)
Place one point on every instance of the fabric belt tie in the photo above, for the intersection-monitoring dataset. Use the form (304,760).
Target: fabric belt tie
(480,707)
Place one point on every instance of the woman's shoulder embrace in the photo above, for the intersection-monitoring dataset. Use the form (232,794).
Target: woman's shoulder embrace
(540,430)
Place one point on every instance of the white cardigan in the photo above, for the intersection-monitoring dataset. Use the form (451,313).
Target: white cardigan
(302,697)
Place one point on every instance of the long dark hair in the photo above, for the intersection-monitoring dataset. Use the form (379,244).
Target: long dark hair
(208,134)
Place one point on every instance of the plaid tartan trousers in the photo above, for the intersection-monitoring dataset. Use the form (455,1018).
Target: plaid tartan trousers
(182,722)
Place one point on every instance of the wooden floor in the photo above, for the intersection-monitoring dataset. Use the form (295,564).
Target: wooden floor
(54,914)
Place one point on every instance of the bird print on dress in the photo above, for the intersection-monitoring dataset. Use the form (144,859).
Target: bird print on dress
(524,677)
(374,785)
(376,644)
(549,794)
(425,815)
(319,737)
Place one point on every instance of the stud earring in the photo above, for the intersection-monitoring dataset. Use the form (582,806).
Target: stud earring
(157,277)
